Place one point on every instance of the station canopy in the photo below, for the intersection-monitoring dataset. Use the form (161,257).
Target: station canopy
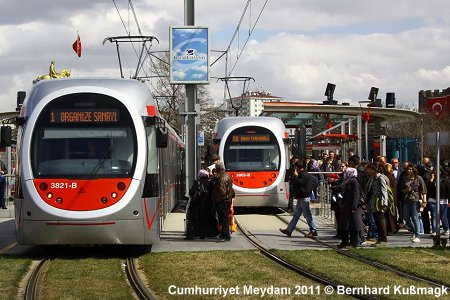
(296,114)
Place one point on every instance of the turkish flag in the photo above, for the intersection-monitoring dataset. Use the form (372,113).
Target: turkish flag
(77,46)
(438,106)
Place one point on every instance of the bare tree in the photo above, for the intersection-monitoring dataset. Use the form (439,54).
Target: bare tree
(169,97)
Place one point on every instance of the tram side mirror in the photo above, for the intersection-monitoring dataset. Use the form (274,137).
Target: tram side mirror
(162,136)
(5,136)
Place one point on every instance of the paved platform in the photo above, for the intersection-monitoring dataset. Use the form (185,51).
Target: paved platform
(173,238)
(8,213)
(265,228)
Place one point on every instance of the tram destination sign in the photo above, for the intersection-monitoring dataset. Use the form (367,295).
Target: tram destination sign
(247,138)
(106,115)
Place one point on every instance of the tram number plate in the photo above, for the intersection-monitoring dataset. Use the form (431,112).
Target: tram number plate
(63,185)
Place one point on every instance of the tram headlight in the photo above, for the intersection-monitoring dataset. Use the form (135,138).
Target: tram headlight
(121,186)
(43,186)
(273,175)
(114,195)
(59,200)
(49,195)
(104,200)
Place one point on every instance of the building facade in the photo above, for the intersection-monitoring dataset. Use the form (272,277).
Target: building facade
(250,103)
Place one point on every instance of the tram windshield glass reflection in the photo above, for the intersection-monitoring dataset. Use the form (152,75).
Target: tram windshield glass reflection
(70,142)
(251,149)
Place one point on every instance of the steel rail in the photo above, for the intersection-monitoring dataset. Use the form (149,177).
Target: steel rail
(372,263)
(32,288)
(279,260)
(135,281)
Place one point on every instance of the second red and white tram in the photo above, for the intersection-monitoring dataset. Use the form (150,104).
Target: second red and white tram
(255,153)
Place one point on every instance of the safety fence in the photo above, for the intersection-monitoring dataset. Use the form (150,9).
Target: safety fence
(322,204)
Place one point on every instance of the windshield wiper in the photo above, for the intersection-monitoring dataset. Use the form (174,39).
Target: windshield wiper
(101,161)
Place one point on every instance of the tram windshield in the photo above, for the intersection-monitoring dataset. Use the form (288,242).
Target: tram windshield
(251,149)
(92,140)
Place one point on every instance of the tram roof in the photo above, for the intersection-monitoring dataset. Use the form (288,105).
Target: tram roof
(294,114)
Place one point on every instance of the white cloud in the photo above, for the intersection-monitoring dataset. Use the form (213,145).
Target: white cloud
(179,75)
(296,48)
(200,68)
(198,75)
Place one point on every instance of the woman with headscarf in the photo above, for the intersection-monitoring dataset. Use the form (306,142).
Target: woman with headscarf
(200,208)
(313,166)
(351,222)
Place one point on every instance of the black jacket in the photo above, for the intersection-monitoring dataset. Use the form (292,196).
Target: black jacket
(302,185)
(444,188)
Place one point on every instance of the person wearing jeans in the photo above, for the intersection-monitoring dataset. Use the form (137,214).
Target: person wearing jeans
(442,215)
(414,191)
(444,190)
(302,186)
(302,207)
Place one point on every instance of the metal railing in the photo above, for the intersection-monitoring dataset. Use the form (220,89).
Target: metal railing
(323,199)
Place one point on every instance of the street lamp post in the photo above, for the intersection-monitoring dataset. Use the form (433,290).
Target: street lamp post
(366,127)
(372,102)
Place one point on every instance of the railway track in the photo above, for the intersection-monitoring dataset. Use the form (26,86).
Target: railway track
(287,264)
(33,284)
(140,289)
(372,263)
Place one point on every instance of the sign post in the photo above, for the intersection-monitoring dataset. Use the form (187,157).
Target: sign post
(189,65)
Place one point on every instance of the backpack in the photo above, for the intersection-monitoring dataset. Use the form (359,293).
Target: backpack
(391,201)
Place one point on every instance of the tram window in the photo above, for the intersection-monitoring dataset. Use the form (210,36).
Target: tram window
(252,158)
(73,151)
(89,148)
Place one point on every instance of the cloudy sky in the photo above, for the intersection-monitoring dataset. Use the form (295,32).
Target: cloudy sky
(296,48)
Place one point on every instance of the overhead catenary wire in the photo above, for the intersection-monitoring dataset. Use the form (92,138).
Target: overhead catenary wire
(236,34)
(148,58)
(148,54)
(128,30)
(248,37)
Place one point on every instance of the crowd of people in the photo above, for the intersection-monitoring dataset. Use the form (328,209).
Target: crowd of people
(211,197)
(372,200)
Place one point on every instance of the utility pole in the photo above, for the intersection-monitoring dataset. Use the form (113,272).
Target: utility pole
(191,100)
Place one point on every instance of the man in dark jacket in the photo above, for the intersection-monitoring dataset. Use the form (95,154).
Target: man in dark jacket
(289,175)
(425,170)
(223,194)
(355,162)
(302,186)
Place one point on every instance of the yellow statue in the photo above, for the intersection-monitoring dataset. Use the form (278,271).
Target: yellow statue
(53,74)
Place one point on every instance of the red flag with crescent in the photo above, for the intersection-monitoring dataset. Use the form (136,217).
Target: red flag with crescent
(438,106)
(77,46)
